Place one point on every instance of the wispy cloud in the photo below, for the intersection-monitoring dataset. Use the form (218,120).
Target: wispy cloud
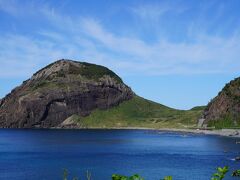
(154,11)
(86,38)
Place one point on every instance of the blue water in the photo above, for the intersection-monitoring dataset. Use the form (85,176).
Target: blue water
(43,154)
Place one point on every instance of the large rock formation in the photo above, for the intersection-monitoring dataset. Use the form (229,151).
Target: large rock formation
(225,106)
(60,90)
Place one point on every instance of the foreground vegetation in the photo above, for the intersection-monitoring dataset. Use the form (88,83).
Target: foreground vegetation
(225,122)
(218,175)
(139,112)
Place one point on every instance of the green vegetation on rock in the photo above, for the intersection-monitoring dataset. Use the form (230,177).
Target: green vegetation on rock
(47,85)
(76,72)
(93,71)
(139,112)
(224,122)
(224,111)
(87,70)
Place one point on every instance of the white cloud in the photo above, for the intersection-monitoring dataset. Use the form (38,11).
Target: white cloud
(208,54)
(87,39)
(153,12)
(21,8)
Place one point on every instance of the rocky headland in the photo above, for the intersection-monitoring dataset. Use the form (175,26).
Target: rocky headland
(58,91)
(223,111)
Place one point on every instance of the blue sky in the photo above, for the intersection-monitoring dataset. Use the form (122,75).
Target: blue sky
(178,53)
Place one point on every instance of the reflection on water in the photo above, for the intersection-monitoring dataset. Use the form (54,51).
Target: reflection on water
(42,154)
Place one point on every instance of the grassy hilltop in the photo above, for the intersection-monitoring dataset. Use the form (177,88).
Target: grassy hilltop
(139,112)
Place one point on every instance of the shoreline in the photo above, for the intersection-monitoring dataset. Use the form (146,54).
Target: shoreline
(221,132)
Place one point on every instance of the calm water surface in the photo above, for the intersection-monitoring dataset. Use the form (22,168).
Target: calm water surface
(43,154)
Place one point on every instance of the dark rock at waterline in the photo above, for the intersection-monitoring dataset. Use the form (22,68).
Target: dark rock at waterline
(60,90)
(237,158)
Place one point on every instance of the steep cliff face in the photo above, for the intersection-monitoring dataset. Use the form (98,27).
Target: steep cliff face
(60,90)
(225,106)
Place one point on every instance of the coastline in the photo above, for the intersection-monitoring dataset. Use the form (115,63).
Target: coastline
(221,132)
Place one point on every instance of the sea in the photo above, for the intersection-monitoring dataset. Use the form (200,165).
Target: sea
(46,154)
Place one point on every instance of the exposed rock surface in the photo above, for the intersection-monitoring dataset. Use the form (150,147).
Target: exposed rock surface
(60,90)
(225,105)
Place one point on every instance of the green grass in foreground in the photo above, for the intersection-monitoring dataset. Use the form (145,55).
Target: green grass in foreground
(139,112)
(218,175)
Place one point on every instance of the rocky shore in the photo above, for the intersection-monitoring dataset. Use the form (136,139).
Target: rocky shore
(220,132)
